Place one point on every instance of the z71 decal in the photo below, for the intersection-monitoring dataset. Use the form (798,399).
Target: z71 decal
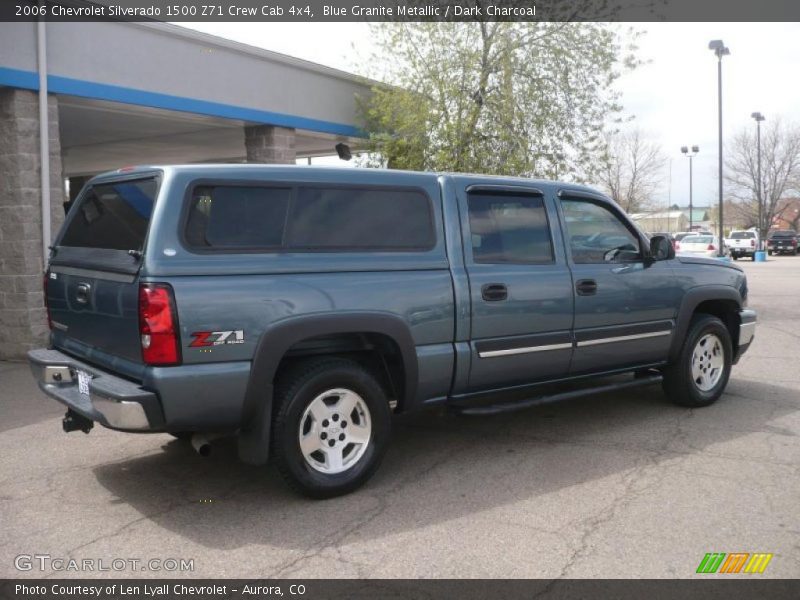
(216,338)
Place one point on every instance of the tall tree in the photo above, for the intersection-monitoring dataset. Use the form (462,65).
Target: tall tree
(495,97)
(780,169)
(632,169)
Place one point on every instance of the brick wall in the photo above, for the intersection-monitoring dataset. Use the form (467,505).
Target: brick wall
(22,315)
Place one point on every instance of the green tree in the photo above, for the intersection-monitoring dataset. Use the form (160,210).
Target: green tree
(506,98)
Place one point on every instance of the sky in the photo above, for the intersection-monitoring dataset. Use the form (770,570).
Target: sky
(673,97)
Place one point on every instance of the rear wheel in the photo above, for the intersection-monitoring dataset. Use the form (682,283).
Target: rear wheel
(699,375)
(332,427)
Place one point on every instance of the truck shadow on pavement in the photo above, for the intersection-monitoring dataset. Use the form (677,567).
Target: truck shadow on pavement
(442,467)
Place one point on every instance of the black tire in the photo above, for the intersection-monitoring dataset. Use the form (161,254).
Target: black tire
(679,384)
(735,256)
(295,391)
(769,252)
(753,257)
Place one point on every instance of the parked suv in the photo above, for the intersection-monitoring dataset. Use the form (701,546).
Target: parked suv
(299,307)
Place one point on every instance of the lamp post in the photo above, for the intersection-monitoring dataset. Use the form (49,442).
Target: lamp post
(685,151)
(759,117)
(720,50)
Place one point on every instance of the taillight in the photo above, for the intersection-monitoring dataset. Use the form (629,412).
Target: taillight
(46,304)
(711,247)
(794,242)
(752,243)
(677,245)
(158,325)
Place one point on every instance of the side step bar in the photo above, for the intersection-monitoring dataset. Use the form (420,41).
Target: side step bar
(493,409)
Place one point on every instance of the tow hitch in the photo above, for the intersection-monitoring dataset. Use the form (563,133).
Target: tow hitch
(73,421)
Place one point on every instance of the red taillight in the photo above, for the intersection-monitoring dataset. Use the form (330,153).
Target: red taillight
(46,305)
(752,243)
(158,325)
(794,242)
(711,247)
(677,245)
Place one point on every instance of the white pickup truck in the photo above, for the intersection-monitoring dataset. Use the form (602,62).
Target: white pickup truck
(742,243)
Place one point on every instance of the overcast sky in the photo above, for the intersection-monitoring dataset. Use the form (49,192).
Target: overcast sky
(673,97)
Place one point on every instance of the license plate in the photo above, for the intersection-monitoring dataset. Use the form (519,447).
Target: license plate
(84,379)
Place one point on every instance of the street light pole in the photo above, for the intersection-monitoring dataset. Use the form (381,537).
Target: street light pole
(720,50)
(685,151)
(759,117)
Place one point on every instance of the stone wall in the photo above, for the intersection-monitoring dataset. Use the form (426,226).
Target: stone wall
(22,315)
(270,144)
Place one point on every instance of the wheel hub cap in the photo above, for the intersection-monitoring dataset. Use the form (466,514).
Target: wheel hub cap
(335,431)
(708,362)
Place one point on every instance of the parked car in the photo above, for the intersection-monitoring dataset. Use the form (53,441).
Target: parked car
(702,245)
(298,307)
(742,243)
(782,241)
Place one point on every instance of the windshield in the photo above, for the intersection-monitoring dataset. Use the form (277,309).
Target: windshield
(783,234)
(742,235)
(698,239)
(112,215)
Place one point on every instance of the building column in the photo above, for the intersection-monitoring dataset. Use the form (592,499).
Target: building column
(23,322)
(270,144)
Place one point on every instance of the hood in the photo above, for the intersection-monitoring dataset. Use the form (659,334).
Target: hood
(701,260)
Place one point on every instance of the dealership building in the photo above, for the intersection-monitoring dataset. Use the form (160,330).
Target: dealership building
(77,99)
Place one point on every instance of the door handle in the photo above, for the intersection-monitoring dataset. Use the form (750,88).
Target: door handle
(494,292)
(586,287)
(82,293)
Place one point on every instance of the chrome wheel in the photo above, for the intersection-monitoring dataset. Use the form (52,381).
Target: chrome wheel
(335,431)
(708,362)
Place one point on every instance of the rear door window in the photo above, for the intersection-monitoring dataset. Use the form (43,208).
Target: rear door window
(112,216)
(509,229)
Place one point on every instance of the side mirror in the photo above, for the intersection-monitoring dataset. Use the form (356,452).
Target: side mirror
(661,248)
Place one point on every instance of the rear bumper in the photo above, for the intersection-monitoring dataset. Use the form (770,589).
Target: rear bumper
(747,331)
(112,401)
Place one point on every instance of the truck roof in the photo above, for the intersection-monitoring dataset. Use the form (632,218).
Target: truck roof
(228,169)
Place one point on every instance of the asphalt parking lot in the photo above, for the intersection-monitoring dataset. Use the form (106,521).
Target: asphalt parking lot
(619,485)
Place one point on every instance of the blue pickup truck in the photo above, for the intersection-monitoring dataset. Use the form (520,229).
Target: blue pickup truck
(299,307)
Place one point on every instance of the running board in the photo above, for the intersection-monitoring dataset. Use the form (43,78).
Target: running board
(493,409)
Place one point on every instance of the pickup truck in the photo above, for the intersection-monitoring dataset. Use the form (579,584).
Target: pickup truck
(742,243)
(299,307)
(782,241)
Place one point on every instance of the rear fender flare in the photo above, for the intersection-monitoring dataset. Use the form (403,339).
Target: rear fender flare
(273,345)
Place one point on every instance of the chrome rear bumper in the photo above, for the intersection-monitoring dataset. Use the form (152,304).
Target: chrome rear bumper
(110,400)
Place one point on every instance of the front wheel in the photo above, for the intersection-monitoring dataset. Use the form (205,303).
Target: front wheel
(700,373)
(332,427)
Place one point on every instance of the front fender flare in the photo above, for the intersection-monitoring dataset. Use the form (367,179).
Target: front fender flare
(279,337)
(691,300)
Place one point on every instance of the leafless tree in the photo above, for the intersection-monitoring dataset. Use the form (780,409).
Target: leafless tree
(632,169)
(780,170)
